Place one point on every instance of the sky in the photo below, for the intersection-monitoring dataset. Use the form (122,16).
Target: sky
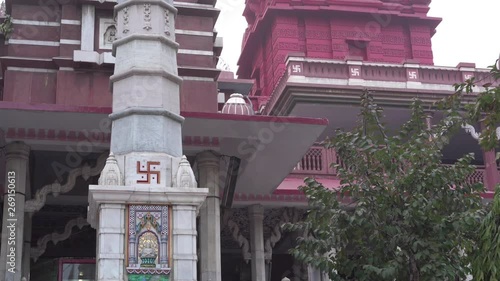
(469,31)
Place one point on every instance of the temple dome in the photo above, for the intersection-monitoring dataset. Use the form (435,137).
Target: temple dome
(236,104)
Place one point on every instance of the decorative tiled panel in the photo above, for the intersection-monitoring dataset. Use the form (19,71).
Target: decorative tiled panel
(148,242)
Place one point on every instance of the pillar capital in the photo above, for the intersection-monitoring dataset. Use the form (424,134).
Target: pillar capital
(207,158)
(256,210)
(17,149)
(429,113)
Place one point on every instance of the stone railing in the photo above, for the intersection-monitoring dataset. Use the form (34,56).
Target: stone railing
(404,77)
(318,161)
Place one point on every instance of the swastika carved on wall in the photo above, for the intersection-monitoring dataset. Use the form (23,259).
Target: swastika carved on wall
(149,172)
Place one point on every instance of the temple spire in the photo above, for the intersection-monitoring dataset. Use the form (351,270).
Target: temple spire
(146,222)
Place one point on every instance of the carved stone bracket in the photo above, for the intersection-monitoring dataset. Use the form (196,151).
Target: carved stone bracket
(56,188)
(469,129)
(237,235)
(55,237)
(289,215)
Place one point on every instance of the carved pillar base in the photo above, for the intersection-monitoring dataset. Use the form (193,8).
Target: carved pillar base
(107,206)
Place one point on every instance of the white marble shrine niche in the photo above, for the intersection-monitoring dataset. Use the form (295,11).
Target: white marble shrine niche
(148,243)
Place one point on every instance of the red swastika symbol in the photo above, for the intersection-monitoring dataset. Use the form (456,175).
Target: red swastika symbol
(151,173)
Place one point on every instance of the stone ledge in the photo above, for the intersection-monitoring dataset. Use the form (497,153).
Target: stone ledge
(93,57)
(144,194)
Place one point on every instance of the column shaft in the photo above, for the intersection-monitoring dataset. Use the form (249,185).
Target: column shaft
(111,241)
(428,121)
(27,234)
(491,169)
(184,243)
(491,177)
(88,22)
(256,213)
(27,247)
(17,160)
(210,248)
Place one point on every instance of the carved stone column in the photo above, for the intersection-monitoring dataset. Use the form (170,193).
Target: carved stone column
(315,274)
(491,177)
(256,213)
(110,240)
(491,169)
(11,252)
(27,235)
(184,242)
(208,168)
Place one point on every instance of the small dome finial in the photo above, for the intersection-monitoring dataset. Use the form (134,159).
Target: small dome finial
(236,104)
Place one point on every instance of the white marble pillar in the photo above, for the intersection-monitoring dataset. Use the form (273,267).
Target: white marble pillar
(12,240)
(88,25)
(26,267)
(210,260)
(256,214)
(315,274)
(184,243)
(111,242)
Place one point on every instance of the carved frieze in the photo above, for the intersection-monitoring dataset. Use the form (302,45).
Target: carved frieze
(167,22)
(147,17)
(107,33)
(125,20)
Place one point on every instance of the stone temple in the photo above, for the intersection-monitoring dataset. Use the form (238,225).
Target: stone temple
(127,155)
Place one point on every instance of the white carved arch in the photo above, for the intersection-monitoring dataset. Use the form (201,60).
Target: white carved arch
(55,237)
(469,129)
(237,236)
(56,188)
(288,216)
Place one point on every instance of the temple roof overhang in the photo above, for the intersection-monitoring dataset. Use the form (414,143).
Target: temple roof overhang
(269,147)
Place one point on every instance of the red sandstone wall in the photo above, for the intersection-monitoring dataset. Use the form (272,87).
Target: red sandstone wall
(338,30)
(33,75)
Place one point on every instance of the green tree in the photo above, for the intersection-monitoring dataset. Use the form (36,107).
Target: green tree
(485,109)
(399,214)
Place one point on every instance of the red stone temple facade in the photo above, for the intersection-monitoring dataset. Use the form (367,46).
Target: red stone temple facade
(303,66)
(373,31)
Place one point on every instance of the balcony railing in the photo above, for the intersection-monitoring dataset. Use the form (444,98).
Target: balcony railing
(402,77)
(318,161)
